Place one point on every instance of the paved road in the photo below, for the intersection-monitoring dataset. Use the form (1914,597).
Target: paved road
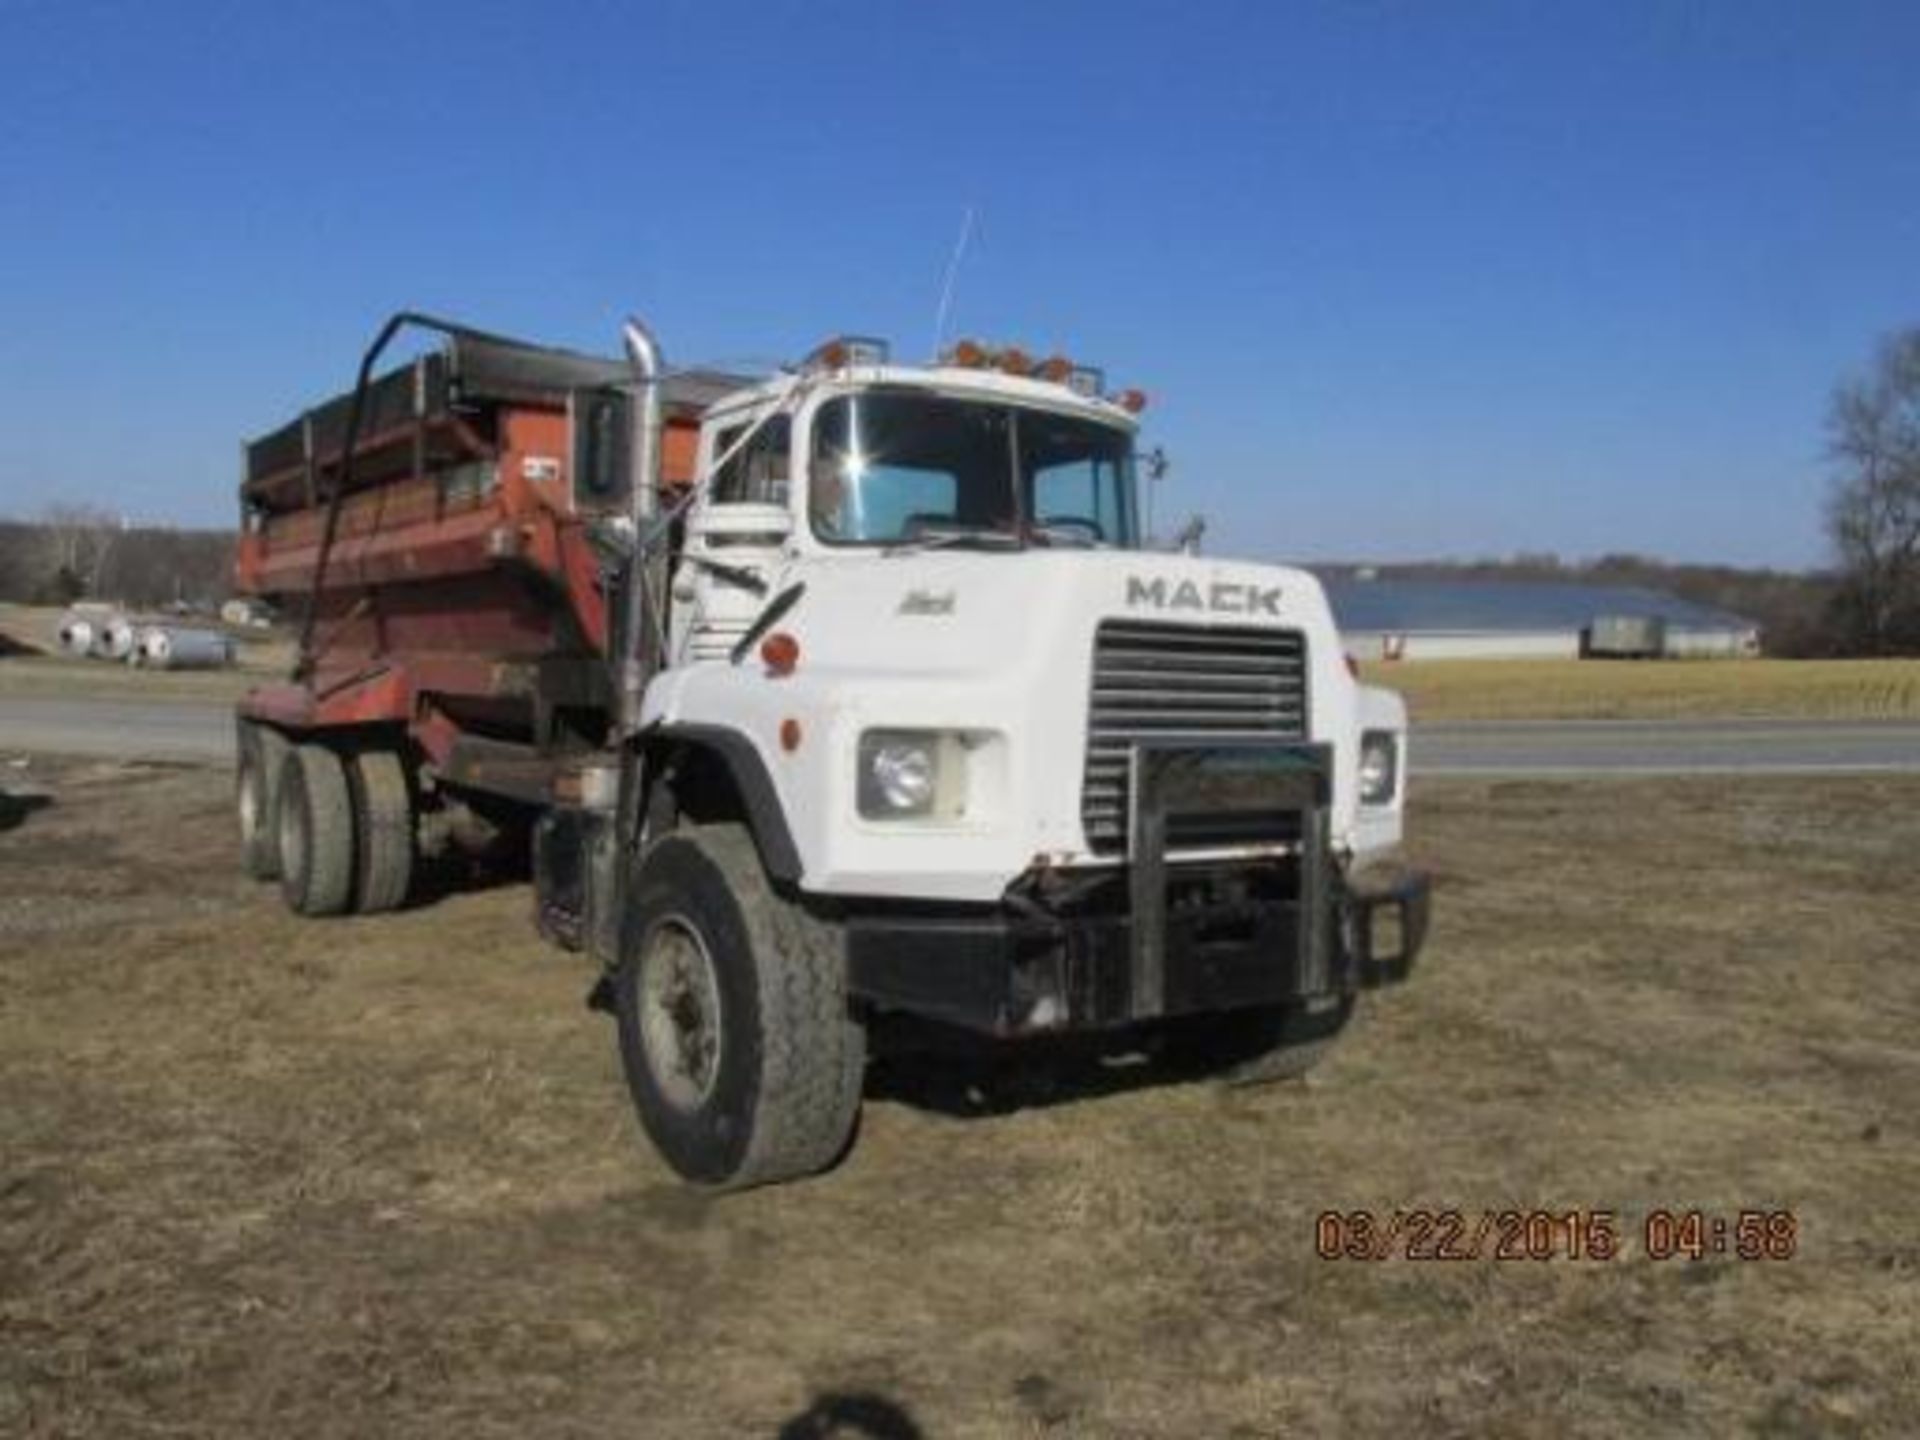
(190,730)
(203,732)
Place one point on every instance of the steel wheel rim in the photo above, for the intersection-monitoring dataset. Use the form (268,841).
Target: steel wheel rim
(680,1012)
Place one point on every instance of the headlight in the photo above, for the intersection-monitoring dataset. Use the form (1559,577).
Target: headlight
(1379,766)
(906,773)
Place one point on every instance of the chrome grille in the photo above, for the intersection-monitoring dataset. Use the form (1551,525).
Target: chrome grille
(1215,682)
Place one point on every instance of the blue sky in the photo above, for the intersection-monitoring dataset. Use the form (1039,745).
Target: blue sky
(1403,279)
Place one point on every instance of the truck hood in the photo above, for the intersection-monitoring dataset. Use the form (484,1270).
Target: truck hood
(959,613)
(998,647)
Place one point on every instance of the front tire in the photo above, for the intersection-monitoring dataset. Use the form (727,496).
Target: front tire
(743,1060)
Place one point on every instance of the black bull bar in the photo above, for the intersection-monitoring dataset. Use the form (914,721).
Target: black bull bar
(1163,938)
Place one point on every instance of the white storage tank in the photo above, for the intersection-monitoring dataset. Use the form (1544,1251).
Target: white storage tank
(168,647)
(113,639)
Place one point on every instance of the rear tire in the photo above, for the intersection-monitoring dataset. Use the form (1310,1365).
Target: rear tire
(383,815)
(315,824)
(744,1062)
(263,751)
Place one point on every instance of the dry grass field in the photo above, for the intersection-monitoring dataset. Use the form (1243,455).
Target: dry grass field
(1654,690)
(60,676)
(260,1175)
(1436,690)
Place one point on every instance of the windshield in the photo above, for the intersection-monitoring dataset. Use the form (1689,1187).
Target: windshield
(898,467)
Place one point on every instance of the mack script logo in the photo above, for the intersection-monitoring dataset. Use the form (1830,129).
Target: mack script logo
(1186,595)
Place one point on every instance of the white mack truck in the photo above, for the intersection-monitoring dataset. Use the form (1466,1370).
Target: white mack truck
(842,699)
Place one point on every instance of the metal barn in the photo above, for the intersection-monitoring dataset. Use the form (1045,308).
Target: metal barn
(1482,619)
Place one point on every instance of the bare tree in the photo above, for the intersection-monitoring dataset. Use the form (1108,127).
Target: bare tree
(1873,514)
(16,561)
(82,539)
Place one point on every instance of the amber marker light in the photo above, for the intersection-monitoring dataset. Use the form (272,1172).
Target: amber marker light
(1132,401)
(1056,368)
(969,355)
(780,653)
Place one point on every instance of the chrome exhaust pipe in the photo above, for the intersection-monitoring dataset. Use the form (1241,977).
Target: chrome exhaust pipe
(631,670)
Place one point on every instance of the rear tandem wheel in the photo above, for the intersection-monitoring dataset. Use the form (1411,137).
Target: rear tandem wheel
(383,829)
(263,750)
(315,825)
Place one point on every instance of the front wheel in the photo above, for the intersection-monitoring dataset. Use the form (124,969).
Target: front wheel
(743,1059)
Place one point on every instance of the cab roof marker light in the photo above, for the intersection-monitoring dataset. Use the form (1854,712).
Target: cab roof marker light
(1087,380)
(1056,368)
(969,355)
(1015,361)
(1132,401)
(845,350)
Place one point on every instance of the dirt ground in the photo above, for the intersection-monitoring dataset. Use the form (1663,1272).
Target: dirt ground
(380,1177)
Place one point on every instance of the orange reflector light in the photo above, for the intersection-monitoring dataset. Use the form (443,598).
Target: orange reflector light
(844,350)
(1132,401)
(780,652)
(789,734)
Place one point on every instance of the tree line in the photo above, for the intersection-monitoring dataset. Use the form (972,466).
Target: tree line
(81,552)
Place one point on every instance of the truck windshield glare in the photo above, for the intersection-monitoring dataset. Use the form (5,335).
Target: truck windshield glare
(892,468)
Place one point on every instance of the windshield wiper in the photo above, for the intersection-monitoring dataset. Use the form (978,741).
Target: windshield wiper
(947,539)
(1075,536)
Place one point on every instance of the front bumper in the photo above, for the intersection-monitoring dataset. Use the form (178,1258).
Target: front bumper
(1008,972)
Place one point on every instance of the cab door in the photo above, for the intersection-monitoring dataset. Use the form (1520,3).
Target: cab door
(737,534)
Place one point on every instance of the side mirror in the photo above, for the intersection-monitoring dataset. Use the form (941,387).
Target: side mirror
(1153,466)
(1187,540)
(602,448)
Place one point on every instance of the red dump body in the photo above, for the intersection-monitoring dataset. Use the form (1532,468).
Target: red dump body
(460,596)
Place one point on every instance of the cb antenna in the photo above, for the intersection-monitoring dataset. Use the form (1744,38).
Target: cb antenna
(946,286)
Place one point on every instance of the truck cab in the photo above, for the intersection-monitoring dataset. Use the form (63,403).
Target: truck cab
(977,615)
